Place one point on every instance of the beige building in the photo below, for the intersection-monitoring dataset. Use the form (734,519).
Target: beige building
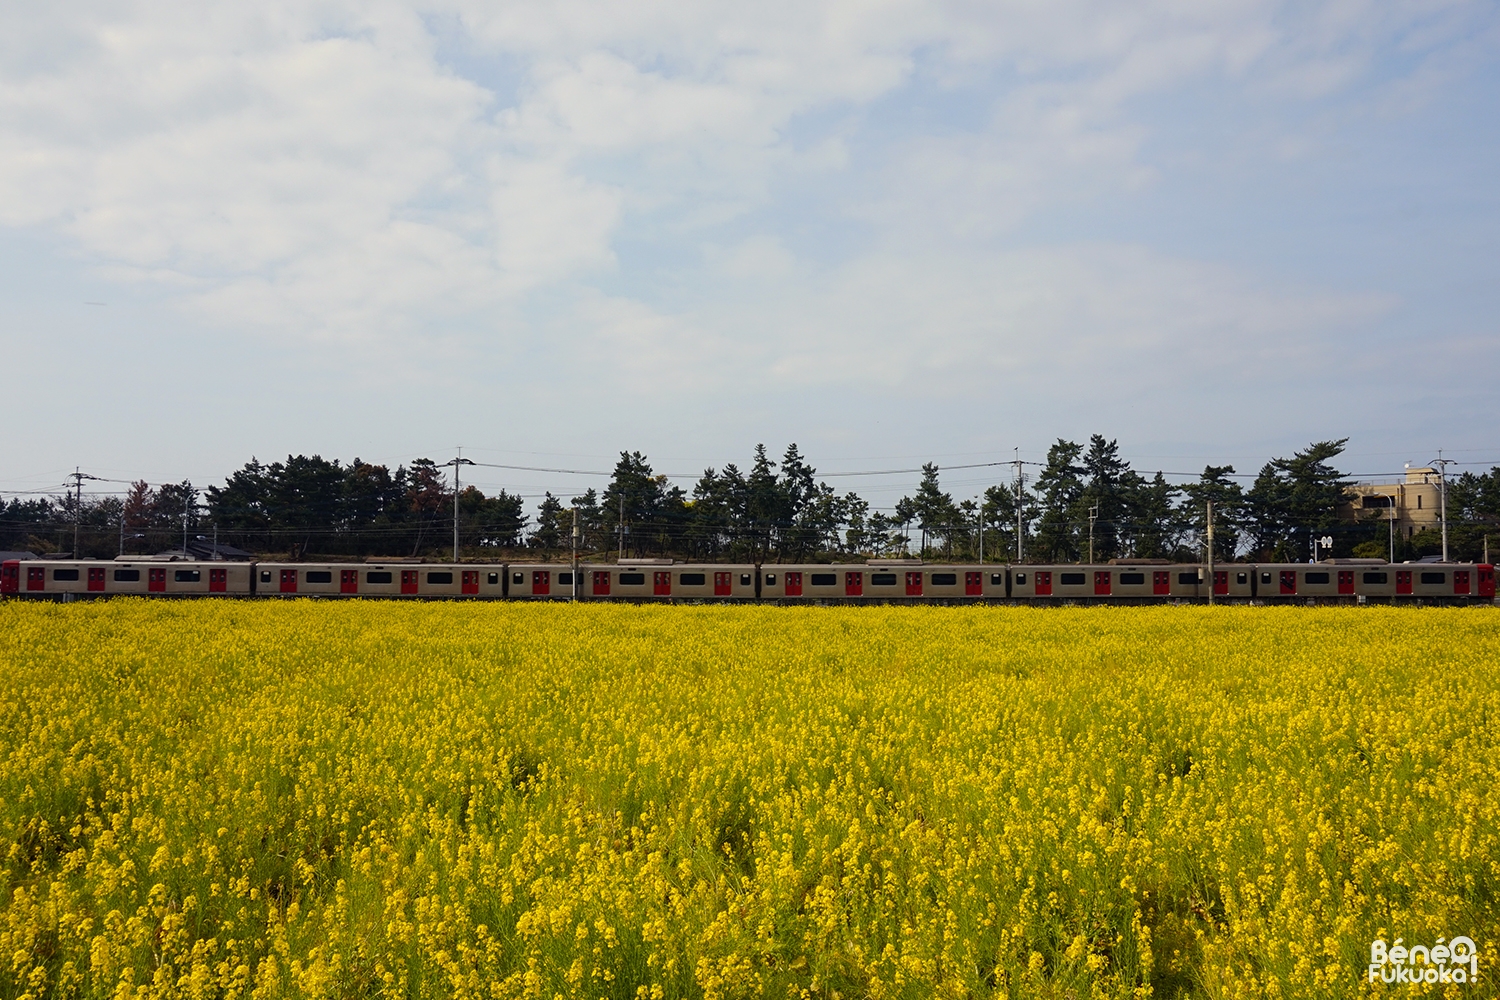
(1416,501)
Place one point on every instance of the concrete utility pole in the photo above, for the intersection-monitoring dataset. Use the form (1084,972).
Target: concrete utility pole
(78,478)
(1210,552)
(459,460)
(575,553)
(1020,502)
(622,524)
(1093,516)
(1442,464)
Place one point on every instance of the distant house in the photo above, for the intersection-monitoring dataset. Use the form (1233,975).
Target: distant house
(11,556)
(1414,503)
(201,550)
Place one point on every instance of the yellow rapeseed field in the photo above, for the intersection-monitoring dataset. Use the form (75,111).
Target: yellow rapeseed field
(300,799)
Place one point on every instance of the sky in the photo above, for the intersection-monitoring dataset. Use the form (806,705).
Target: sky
(892,232)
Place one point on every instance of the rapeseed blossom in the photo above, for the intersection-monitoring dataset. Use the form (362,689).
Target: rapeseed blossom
(305,799)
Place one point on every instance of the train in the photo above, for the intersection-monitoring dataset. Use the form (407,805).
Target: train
(874,581)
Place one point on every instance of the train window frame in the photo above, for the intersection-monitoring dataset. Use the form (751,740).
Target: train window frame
(65,575)
(565,578)
(377,577)
(692,579)
(632,579)
(1433,579)
(1072,579)
(1265,578)
(134,576)
(745,580)
(944,580)
(1020,579)
(1242,578)
(518,578)
(1376,578)
(265,576)
(318,576)
(440,578)
(998,579)
(1317,578)
(824,580)
(493,579)
(770,579)
(187,576)
(1130,579)
(1188,579)
(882,579)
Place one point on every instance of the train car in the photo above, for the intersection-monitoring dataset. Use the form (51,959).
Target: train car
(662,579)
(378,580)
(812,581)
(543,581)
(94,577)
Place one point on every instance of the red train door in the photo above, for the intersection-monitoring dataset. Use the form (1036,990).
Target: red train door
(10,576)
(96,578)
(1486,581)
(854,584)
(1221,582)
(721,585)
(471,581)
(1101,583)
(914,583)
(288,581)
(218,581)
(661,583)
(1044,584)
(793,584)
(1346,581)
(408,581)
(541,582)
(1161,582)
(601,583)
(156,581)
(348,581)
(973,584)
(1460,581)
(36,577)
(1403,581)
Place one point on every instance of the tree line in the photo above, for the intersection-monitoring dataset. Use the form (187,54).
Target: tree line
(1084,501)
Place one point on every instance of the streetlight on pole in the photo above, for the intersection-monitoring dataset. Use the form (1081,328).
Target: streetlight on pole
(1442,464)
(456,462)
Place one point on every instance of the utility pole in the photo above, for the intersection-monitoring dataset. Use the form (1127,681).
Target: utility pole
(575,553)
(1210,553)
(1093,516)
(1391,520)
(981,529)
(622,525)
(457,461)
(1020,502)
(78,478)
(1442,464)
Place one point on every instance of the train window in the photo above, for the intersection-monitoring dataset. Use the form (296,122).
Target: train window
(1242,578)
(1315,578)
(494,578)
(518,578)
(319,576)
(632,579)
(193,576)
(565,578)
(439,578)
(1187,579)
(744,579)
(1071,579)
(691,579)
(265,576)
(1376,578)
(878,580)
(944,579)
(998,579)
(65,574)
(832,579)
(1434,577)
(134,576)
(770,579)
(1020,579)
(1129,578)
(1265,578)
(378,576)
